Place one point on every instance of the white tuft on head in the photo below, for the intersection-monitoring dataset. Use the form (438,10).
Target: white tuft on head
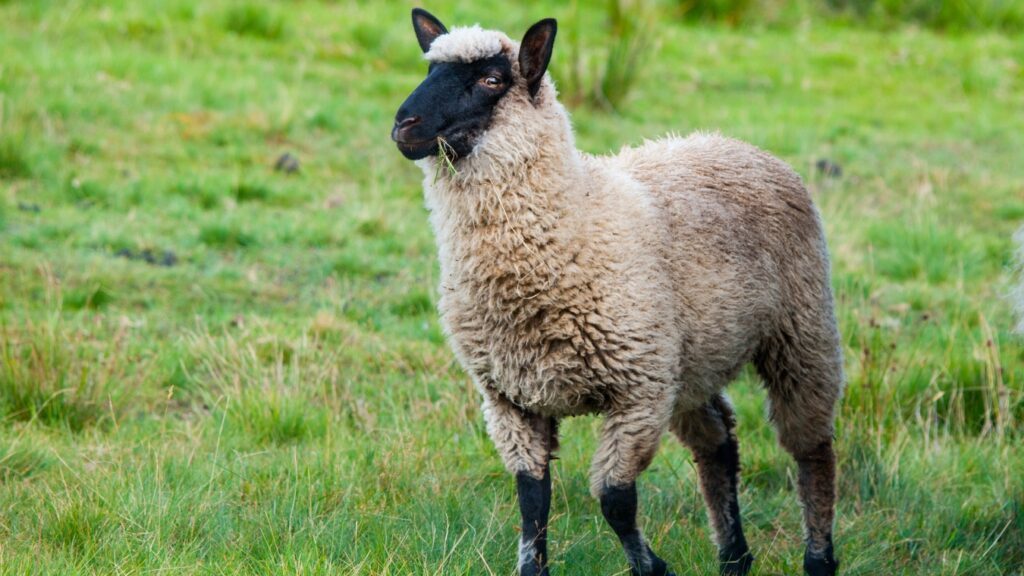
(467,44)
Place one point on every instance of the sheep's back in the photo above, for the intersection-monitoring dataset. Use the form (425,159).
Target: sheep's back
(745,244)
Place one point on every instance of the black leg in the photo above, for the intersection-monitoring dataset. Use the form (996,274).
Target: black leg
(619,504)
(821,563)
(734,555)
(816,481)
(534,506)
(709,432)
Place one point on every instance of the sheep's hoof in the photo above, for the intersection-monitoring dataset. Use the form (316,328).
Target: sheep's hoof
(657,567)
(821,563)
(735,561)
(665,572)
(533,570)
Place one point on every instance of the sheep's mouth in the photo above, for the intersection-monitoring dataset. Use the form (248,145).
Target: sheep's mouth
(457,138)
(416,149)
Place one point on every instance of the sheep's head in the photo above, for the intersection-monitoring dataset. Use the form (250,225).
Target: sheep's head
(471,71)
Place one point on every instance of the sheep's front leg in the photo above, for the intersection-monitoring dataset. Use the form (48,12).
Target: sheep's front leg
(628,443)
(534,505)
(526,442)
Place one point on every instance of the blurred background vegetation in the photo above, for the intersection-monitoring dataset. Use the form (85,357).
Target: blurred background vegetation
(605,78)
(218,346)
(943,15)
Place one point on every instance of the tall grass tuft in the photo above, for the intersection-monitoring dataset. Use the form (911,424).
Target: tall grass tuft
(605,78)
(18,460)
(732,12)
(255,20)
(226,235)
(60,378)
(272,415)
(252,192)
(13,161)
(269,390)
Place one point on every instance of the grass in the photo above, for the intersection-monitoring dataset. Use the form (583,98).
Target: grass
(279,398)
(254,20)
(603,77)
(13,161)
(943,15)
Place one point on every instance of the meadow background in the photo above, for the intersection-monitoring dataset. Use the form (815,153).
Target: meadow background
(212,366)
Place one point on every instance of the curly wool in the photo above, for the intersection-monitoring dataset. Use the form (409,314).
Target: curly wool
(467,44)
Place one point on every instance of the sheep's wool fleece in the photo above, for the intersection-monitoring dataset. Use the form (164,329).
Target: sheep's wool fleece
(636,285)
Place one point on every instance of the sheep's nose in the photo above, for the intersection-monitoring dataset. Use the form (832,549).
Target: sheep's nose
(410,121)
(403,125)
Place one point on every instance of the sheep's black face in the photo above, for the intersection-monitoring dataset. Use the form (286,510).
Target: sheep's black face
(453,107)
(454,103)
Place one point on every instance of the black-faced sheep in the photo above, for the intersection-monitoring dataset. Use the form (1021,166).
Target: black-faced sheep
(635,285)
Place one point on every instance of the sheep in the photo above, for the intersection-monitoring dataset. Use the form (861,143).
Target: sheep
(636,286)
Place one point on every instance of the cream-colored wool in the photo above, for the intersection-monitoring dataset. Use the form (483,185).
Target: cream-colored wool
(468,44)
(636,285)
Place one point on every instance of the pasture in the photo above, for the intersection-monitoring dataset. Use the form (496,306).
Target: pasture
(212,366)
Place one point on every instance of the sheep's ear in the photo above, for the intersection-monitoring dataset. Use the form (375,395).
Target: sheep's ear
(427,28)
(535,52)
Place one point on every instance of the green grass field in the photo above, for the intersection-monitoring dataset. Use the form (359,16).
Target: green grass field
(211,367)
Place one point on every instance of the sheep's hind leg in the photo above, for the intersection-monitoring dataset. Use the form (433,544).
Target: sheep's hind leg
(804,381)
(709,433)
(628,443)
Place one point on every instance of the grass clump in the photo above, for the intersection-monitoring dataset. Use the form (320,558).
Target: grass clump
(14,162)
(604,75)
(415,303)
(731,12)
(273,416)
(76,525)
(354,263)
(86,192)
(229,236)
(18,460)
(87,298)
(270,391)
(204,196)
(252,192)
(256,20)
(55,377)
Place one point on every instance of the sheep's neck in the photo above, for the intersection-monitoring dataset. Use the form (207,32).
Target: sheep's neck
(508,230)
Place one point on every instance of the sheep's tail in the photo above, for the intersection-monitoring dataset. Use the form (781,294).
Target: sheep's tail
(1017,295)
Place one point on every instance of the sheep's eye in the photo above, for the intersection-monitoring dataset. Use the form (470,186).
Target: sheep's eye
(491,81)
